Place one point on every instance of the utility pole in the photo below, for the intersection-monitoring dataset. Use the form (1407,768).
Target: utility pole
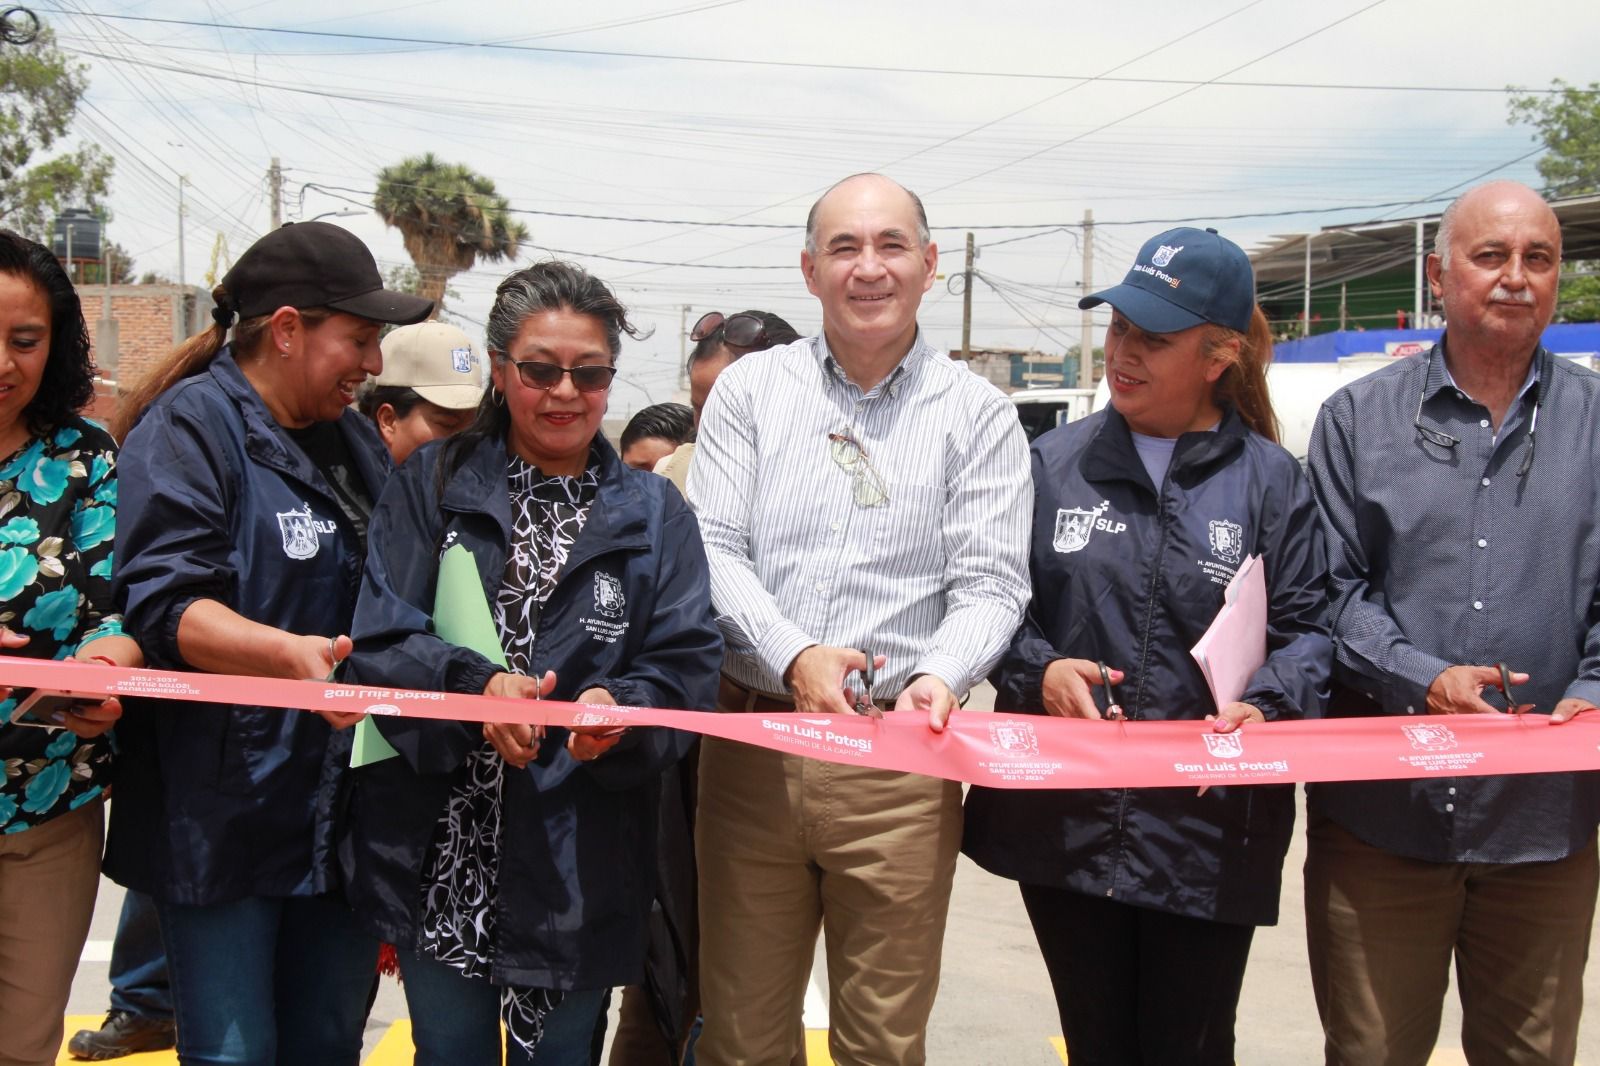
(181,182)
(106,334)
(1305,314)
(275,192)
(966,303)
(1416,312)
(1086,349)
(72,271)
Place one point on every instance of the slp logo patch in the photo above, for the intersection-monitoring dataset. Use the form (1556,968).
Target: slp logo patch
(1074,526)
(1224,745)
(608,598)
(1164,254)
(301,531)
(1227,540)
(461,359)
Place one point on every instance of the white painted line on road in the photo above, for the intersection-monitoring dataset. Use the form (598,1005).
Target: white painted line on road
(95,951)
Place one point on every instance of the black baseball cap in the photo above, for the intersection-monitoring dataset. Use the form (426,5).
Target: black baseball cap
(1182,278)
(316,264)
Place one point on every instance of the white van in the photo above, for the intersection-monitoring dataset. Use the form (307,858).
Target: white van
(1041,410)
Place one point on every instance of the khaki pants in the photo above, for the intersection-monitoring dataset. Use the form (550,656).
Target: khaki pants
(1382,930)
(787,844)
(48,879)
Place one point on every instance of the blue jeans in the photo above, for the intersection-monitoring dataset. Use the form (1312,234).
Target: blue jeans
(138,962)
(262,981)
(455,1020)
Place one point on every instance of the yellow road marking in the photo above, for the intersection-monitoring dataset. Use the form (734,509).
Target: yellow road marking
(395,1048)
(817,1053)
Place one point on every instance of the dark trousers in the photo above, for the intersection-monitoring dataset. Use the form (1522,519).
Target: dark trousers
(1136,986)
(268,982)
(138,962)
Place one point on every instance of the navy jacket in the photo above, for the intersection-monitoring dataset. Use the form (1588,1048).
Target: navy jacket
(1132,575)
(577,846)
(216,803)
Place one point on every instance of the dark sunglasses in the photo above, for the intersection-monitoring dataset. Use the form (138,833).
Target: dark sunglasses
(743,330)
(592,378)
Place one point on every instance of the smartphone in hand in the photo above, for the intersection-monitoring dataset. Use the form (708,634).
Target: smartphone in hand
(43,709)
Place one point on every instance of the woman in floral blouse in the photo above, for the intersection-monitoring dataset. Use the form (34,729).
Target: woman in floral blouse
(58,505)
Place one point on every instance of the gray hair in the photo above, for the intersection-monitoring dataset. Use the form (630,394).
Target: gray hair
(1447,229)
(555,286)
(924,235)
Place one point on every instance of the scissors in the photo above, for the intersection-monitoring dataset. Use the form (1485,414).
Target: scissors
(1505,686)
(864,704)
(1114,712)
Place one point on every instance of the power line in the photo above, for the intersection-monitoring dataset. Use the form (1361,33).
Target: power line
(801,64)
(1192,86)
(1045,227)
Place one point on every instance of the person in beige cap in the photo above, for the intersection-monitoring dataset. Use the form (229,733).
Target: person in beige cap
(431,383)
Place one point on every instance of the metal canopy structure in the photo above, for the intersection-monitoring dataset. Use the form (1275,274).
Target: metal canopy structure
(1347,252)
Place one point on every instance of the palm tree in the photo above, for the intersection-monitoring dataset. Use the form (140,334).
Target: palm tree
(449,217)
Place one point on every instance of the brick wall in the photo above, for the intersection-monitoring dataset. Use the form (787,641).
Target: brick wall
(151,320)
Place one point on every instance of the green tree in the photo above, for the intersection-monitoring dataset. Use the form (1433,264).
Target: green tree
(117,261)
(1567,123)
(39,93)
(403,278)
(449,218)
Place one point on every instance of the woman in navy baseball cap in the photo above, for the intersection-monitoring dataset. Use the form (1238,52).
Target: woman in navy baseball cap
(1144,901)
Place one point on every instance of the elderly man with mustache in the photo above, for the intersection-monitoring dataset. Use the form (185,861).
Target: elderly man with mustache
(1459,492)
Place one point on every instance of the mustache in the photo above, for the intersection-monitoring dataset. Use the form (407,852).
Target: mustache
(1501,294)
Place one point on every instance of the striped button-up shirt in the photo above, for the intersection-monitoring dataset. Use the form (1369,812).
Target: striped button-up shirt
(1443,555)
(935,578)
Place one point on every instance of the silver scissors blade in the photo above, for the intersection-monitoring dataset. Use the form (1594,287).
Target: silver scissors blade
(869,674)
(1113,710)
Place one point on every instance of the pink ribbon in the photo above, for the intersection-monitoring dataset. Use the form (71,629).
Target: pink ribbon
(999,750)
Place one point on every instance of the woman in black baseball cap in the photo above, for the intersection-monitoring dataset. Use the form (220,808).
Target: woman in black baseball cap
(1144,901)
(247,484)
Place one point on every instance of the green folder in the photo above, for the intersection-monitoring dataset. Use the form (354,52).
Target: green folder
(461,617)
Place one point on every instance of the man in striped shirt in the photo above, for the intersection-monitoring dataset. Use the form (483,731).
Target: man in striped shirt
(858,493)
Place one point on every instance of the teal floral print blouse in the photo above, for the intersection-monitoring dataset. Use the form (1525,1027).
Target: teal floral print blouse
(58,515)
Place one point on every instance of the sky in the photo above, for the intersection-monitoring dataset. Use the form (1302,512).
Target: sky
(702,130)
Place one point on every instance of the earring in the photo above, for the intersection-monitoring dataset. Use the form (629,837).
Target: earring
(496,397)
(285,352)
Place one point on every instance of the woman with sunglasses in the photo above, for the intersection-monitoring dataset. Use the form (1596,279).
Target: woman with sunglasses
(718,342)
(512,869)
(1144,901)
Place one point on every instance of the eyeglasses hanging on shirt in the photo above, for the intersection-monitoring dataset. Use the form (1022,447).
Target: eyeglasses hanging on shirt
(1445,440)
(869,489)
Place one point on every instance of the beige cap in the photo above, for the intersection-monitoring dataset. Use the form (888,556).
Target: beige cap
(436,360)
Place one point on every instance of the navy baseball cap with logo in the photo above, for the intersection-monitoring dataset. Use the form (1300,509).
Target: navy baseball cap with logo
(1182,278)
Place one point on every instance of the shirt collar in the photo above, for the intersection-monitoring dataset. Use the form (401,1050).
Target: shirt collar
(1439,376)
(903,373)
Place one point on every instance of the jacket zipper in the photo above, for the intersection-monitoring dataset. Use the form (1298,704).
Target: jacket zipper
(1144,657)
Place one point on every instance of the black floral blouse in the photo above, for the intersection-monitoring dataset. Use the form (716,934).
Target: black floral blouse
(58,515)
(461,870)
